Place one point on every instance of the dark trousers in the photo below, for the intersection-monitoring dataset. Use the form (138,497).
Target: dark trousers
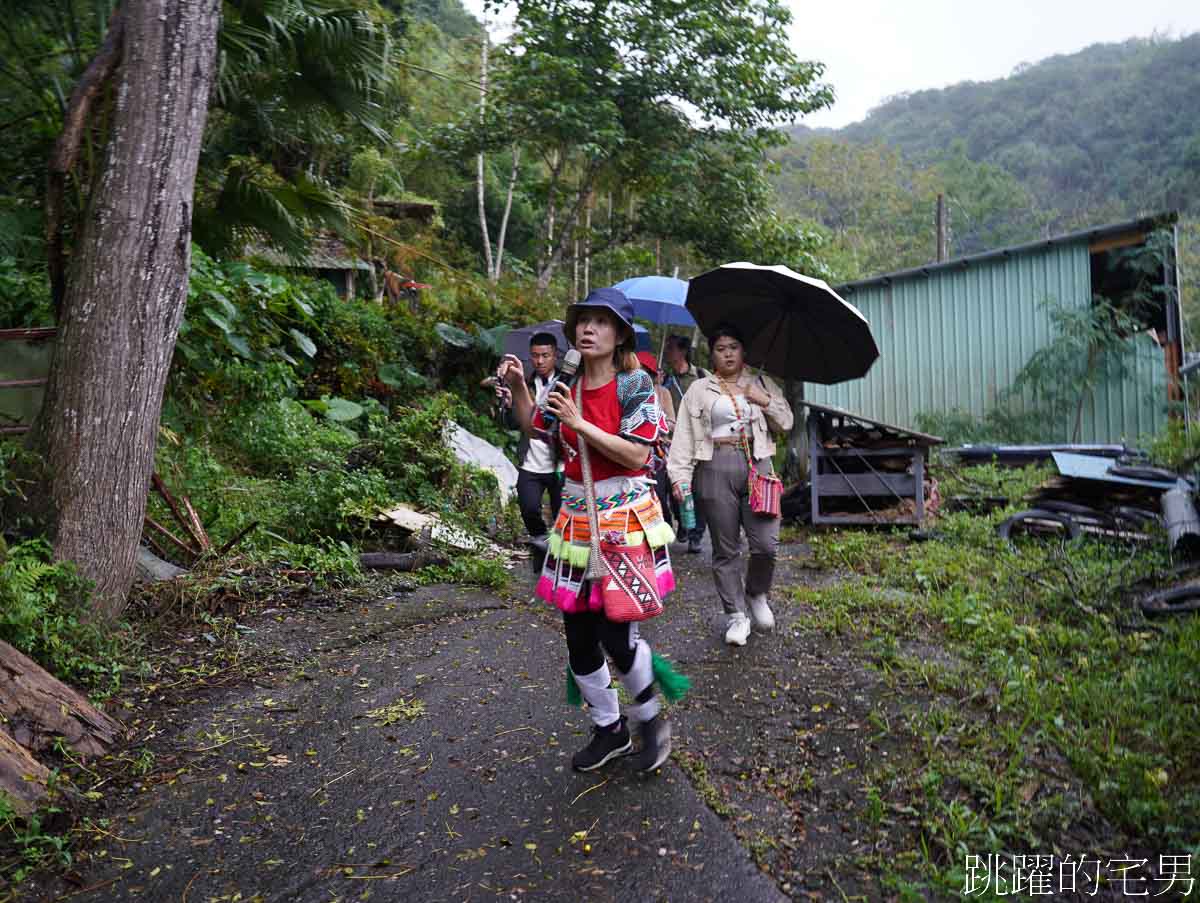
(530,487)
(723,493)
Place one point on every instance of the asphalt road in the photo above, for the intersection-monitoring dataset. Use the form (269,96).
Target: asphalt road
(417,747)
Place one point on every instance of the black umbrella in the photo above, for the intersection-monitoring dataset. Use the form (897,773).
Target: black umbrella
(795,326)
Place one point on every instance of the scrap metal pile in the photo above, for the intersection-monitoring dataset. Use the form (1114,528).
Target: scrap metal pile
(1110,494)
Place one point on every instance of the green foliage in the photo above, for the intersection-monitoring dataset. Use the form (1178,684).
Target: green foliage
(596,89)
(19,472)
(879,206)
(24,297)
(35,842)
(1175,447)
(468,569)
(44,613)
(1091,345)
(1041,649)
(239,320)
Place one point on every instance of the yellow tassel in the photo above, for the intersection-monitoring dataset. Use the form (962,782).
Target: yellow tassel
(577,556)
(660,535)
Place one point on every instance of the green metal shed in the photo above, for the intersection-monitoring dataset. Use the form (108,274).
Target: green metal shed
(954,335)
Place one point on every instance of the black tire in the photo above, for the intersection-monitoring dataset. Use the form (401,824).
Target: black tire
(1176,600)
(1072,529)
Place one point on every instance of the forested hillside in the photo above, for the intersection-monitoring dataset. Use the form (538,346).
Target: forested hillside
(1073,140)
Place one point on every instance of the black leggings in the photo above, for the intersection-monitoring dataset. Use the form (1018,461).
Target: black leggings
(590,635)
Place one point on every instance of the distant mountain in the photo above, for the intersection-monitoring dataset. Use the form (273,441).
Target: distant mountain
(1108,132)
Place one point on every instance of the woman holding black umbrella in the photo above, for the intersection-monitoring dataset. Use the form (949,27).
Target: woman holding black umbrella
(723,429)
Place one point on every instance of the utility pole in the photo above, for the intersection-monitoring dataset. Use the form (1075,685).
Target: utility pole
(941,228)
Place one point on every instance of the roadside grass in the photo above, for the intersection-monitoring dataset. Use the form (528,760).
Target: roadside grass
(1048,698)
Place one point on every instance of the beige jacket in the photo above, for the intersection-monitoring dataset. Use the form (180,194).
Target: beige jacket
(692,441)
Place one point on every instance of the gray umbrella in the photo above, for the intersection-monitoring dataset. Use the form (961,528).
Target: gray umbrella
(795,326)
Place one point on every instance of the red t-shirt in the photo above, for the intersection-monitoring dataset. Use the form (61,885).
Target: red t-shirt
(628,410)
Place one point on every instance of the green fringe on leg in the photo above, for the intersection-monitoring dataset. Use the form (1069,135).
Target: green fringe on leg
(574,697)
(671,683)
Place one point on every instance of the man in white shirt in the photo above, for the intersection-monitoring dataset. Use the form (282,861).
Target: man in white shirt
(537,461)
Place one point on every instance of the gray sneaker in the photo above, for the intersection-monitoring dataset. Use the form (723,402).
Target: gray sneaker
(656,744)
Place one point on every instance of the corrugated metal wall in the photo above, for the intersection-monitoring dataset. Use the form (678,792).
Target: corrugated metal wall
(958,336)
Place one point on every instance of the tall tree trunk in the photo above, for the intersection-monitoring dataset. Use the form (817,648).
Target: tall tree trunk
(587,248)
(483,225)
(512,181)
(582,193)
(125,293)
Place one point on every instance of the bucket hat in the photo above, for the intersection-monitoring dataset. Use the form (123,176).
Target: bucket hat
(611,299)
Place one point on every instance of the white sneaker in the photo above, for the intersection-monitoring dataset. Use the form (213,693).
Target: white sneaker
(738,630)
(760,613)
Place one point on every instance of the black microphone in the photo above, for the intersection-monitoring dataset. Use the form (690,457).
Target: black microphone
(570,364)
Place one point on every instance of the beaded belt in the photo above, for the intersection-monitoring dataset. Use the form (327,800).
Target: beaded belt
(608,502)
(728,440)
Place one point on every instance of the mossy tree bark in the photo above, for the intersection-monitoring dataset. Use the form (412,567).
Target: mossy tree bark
(125,291)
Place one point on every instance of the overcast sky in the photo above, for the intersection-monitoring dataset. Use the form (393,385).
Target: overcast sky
(876,48)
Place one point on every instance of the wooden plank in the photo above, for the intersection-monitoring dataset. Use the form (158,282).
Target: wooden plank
(22,383)
(860,520)
(893,451)
(866,484)
(919,479)
(926,438)
(1124,240)
(31,334)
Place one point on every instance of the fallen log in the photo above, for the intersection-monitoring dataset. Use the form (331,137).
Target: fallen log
(401,561)
(37,708)
(22,777)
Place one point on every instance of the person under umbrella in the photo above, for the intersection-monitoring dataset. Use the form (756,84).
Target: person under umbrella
(724,419)
(619,417)
(658,460)
(678,376)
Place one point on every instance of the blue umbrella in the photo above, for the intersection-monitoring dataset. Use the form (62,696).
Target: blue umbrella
(658,299)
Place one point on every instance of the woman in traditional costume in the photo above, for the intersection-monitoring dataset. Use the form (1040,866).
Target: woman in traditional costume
(614,407)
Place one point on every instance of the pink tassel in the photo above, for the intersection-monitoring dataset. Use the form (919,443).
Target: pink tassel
(596,596)
(567,600)
(545,589)
(666,583)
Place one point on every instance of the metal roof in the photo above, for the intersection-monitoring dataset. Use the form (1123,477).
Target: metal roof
(1146,223)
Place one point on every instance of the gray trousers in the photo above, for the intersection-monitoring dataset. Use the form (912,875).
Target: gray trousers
(722,492)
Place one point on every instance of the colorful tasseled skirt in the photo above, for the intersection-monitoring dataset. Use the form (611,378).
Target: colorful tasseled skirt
(629,514)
